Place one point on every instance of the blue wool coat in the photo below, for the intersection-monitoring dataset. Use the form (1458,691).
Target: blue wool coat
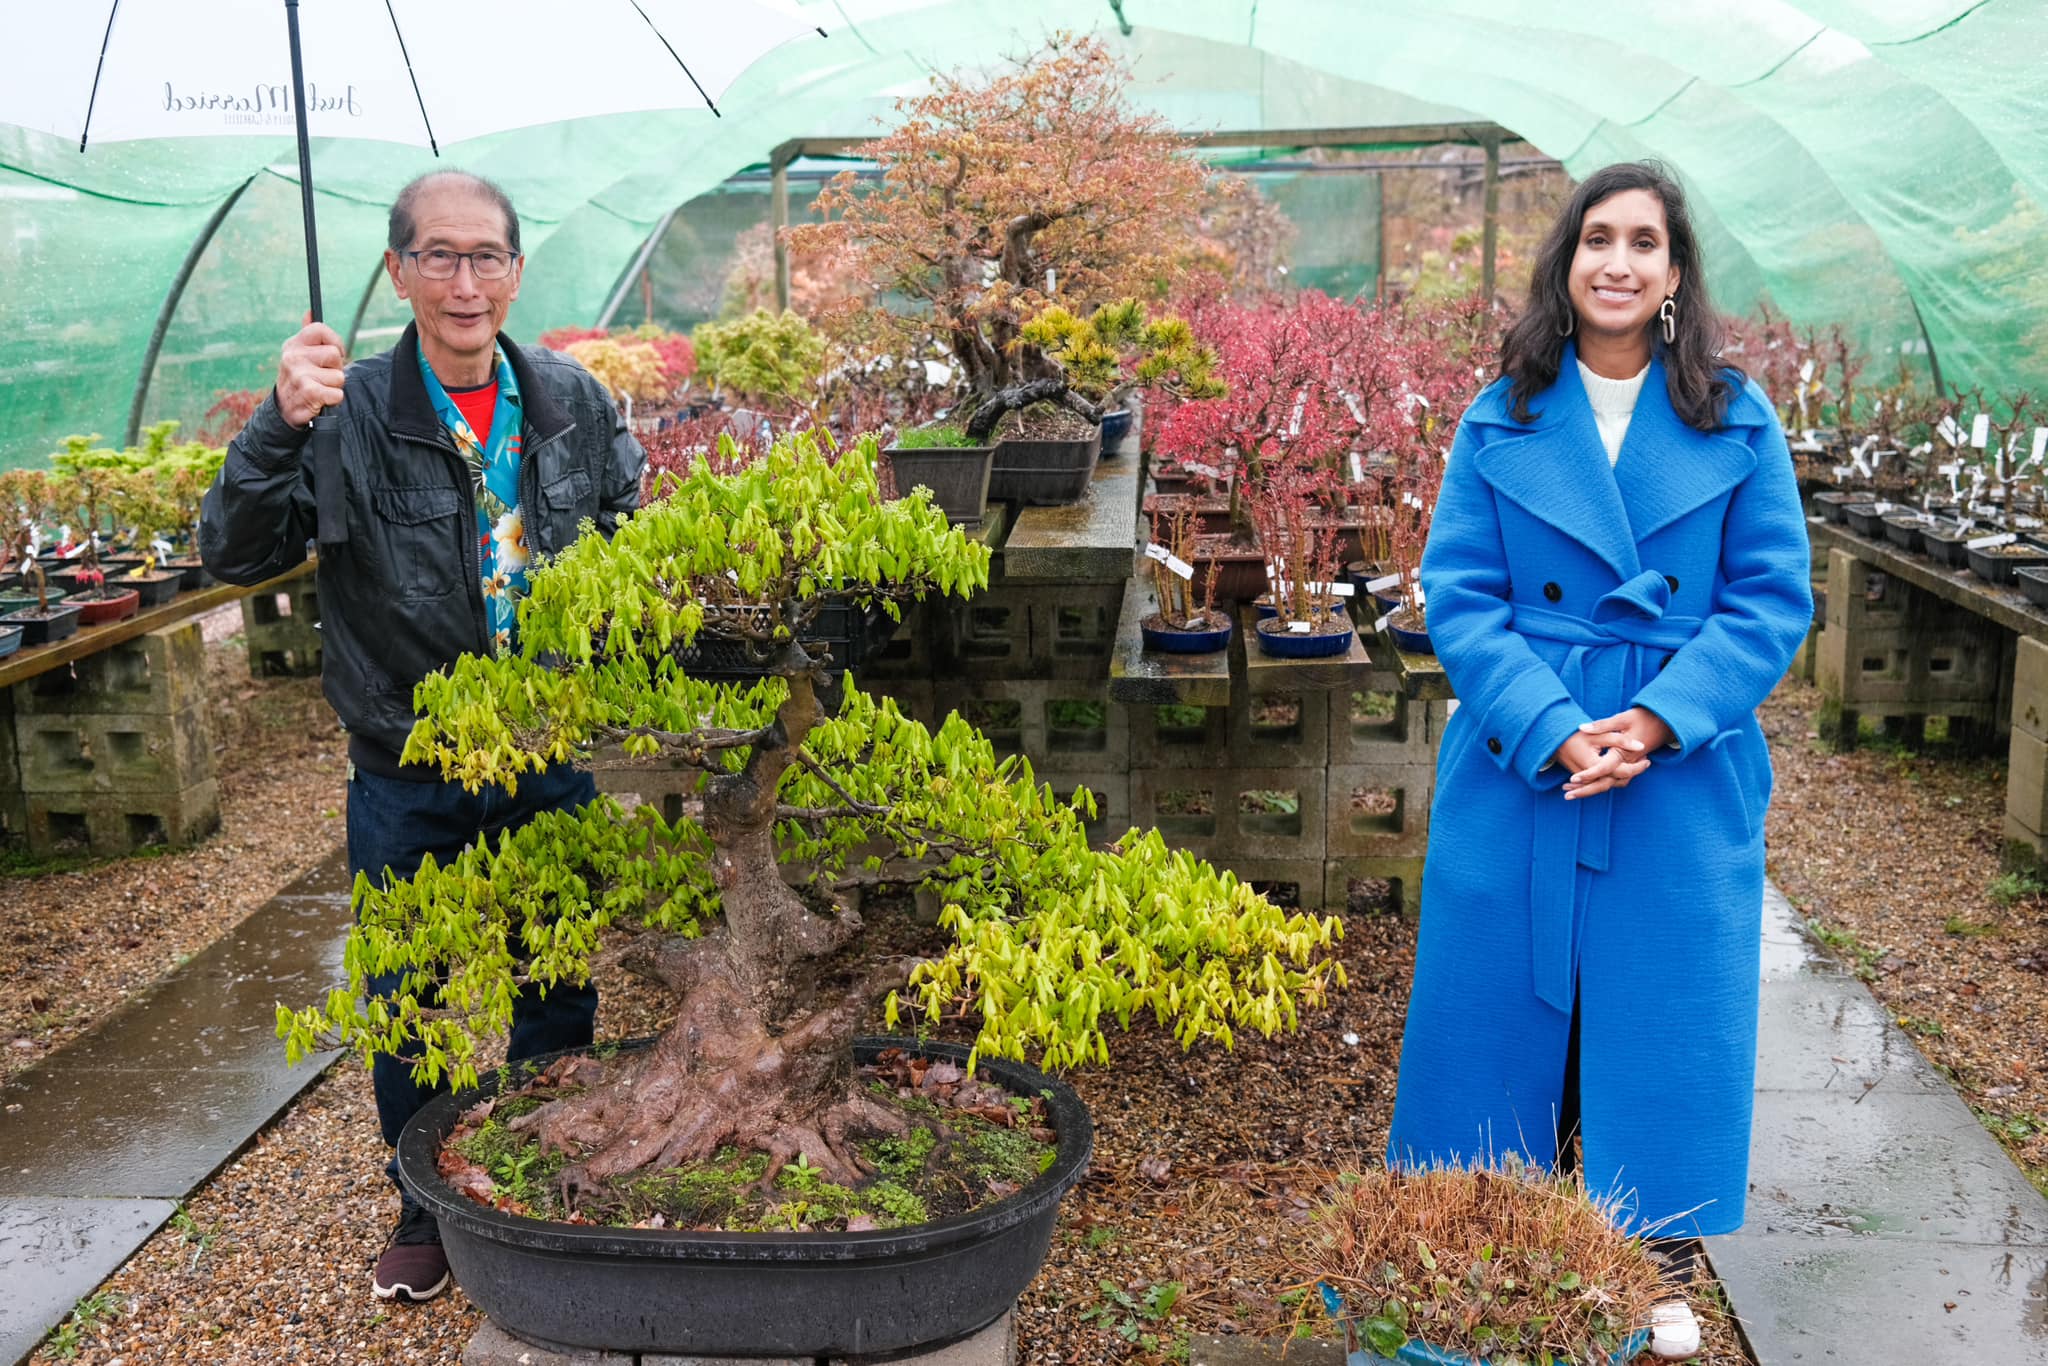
(1560,590)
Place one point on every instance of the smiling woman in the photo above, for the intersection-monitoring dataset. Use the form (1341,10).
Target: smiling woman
(1619,536)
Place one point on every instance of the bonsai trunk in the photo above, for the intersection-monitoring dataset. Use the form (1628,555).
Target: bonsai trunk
(761,1054)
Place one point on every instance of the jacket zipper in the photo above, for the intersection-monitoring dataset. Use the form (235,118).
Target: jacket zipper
(472,557)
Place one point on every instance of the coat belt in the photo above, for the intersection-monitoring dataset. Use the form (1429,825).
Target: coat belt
(1607,664)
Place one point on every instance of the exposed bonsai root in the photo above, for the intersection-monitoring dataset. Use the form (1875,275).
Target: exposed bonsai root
(719,1076)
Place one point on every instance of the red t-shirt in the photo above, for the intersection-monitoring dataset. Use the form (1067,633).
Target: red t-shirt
(477,407)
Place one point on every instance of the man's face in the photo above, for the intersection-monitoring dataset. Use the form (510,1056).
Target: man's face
(459,318)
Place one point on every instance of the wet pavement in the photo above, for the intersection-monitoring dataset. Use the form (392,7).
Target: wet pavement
(99,1142)
(1884,1224)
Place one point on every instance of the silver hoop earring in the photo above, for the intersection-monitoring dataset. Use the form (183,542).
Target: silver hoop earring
(1669,315)
(1571,325)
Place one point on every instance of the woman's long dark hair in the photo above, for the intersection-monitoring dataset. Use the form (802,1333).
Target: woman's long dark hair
(1533,349)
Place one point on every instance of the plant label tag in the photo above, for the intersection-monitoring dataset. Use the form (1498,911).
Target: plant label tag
(1382,582)
(2027,523)
(1381,624)
(1341,590)
(1880,508)
(1806,370)
(1300,628)
(1980,430)
(1197,467)
(1951,469)
(2040,445)
(1948,430)
(1180,566)
(1966,526)
(1844,471)
(1357,468)
(1409,499)
(1156,551)
(162,548)
(1987,542)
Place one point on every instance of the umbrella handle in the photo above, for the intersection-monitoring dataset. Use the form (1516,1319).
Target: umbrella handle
(329,494)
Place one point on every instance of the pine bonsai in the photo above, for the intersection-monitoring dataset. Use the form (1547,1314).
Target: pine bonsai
(746,899)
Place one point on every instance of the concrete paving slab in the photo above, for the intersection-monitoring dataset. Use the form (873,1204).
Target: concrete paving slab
(327,878)
(1812,1035)
(1895,1164)
(1782,920)
(493,1346)
(170,1086)
(1092,541)
(995,1345)
(55,1251)
(1781,960)
(1886,1301)
(121,1132)
(1219,1349)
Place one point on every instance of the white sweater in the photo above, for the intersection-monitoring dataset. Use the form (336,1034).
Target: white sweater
(1614,402)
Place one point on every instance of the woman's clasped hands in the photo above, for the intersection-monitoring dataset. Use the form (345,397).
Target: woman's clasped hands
(1611,752)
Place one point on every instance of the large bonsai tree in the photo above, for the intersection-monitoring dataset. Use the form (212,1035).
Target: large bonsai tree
(745,901)
(1004,194)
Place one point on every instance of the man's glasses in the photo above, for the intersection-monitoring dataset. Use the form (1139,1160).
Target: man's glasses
(437,264)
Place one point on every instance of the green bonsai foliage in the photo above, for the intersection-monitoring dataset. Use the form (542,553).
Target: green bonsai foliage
(943,436)
(182,472)
(747,899)
(23,495)
(771,356)
(1116,349)
(1095,361)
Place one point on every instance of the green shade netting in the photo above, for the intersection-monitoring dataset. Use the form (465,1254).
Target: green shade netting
(1879,163)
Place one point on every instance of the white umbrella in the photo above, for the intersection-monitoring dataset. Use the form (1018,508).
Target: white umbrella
(423,72)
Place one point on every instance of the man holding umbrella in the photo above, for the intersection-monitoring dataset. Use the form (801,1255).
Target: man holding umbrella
(462,455)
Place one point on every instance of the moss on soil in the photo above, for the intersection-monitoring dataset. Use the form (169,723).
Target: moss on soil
(950,1162)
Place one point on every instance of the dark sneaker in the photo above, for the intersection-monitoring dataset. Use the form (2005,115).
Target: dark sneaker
(412,1265)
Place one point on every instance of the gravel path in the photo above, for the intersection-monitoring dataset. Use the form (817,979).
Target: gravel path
(1203,1158)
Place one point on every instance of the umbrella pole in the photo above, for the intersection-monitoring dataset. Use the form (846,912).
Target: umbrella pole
(291,15)
(329,502)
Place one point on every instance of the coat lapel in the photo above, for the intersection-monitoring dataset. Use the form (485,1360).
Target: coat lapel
(1556,469)
(1667,468)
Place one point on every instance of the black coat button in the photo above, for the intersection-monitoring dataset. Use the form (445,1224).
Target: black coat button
(1552,591)
(1493,745)
(1672,579)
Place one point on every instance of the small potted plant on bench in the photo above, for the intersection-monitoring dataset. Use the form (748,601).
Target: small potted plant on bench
(83,489)
(36,613)
(1187,621)
(944,459)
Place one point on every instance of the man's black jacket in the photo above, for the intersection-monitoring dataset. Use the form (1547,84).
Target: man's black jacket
(403,597)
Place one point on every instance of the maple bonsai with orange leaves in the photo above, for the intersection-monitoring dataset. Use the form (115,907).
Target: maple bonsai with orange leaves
(1004,195)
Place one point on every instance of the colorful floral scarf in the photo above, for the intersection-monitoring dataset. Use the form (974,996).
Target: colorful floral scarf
(494,474)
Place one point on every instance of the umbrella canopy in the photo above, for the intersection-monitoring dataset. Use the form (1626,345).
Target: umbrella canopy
(424,72)
(415,71)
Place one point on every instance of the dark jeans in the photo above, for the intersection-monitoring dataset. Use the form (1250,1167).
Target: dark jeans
(394,823)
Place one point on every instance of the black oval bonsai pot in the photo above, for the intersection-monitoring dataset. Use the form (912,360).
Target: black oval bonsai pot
(568,1286)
